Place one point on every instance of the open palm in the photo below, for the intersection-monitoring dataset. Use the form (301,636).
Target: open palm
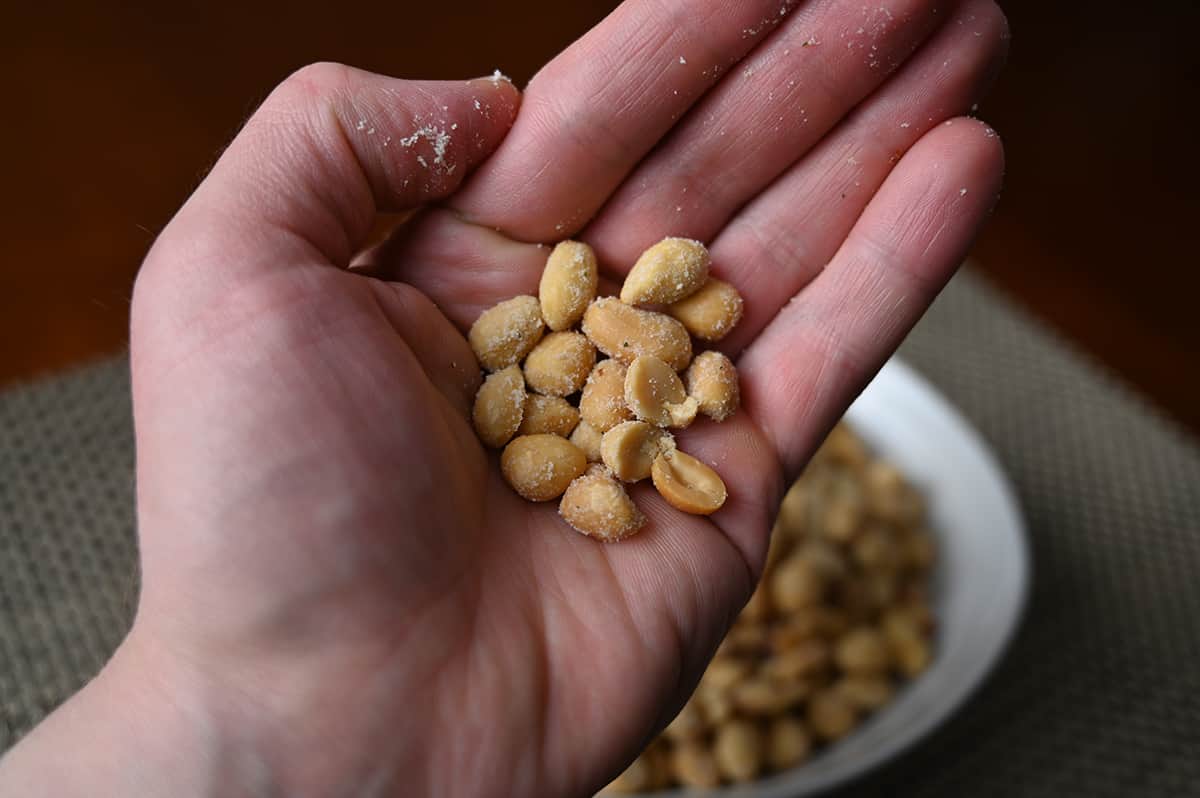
(330,557)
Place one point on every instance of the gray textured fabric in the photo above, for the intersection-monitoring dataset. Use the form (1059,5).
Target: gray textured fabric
(1098,696)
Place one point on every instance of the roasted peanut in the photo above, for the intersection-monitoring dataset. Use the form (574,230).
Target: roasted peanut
(693,765)
(687,484)
(788,742)
(624,333)
(715,705)
(597,505)
(687,724)
(890,497)
(711,312)
(738,748)
(560,364)
(505,333)
(667,272)
(602,403)
(588,441)
(764,697)
(499,406)
(875,549)
(843,447)
(540,467)
(912,654)
(867,693)
(629,449)
(843,510)
(830,715)
(758,608)
(796,584)
(639,776)
(862,651)
(568,284)
(713,382)
(722,674)
(805,660)
(551,415)
(654,392)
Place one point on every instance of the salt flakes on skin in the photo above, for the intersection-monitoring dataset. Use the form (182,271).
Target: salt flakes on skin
(682,60)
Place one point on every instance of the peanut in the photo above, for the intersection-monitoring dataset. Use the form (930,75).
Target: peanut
(695,766)
(867,693)
(630,447)
(637,777)
(540,467)
(711,312)
(788,742)
(597,505)
(666,272)
(623,332)
(602,403)
(761,696)
(738,748)
(712,381)
(862,651)
(560,364)
(588,441)
(830,715)
(654,392)
(796,584)
(552,415)
(499,406)
(689,723)
(568,284)
(505,333)
(687,484)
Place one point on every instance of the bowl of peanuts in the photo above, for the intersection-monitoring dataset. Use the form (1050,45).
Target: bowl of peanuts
(898,567)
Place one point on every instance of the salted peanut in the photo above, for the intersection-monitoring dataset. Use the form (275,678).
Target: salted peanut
(805,660)
(687,724)
(597,505)
(587,439)
(758,608)
(712,381)
(560,364)
(796,584)
(687,484)
(602,403)
(551,415)
(911,654)
(715,705)
(624,333)
(918,550)
(738,748)
(788,742)
(711,312)
(540,467)
(744,638)
(723,674)
(505,333)
(654,392)
(638,777)
(667,272)
(890,497)
(796,509)
(867,693)
(763,697)
(568,284)
(630,448)
(862,651)
(907,620)
(824,557)
(499,406)
(830,715)
(693,765)
(843,447)
(875,549)
(844,509)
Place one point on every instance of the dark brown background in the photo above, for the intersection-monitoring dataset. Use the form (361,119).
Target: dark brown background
(117,109)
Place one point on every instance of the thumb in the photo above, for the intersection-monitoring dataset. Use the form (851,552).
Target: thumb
(327,149)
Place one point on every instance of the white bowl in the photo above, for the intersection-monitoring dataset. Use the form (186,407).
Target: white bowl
(979,585)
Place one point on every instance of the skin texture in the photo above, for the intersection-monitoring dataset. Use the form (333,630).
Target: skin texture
(340,595)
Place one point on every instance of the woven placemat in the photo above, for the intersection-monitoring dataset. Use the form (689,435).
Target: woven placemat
(1098,696)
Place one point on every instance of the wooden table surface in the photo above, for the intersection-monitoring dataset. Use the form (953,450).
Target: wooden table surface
(119,109)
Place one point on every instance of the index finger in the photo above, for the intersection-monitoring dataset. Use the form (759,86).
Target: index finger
(594,111)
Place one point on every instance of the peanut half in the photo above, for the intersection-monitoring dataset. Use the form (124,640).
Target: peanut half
(551,415)
(711,312)
(597,505)
(629,449)
(568,284)
(713,381)
(602,403)
(667,272)
(624,333)
(588,440)
(654,392)
(687,484)
(560,364)
(505,333)
(499,406)
(540,467)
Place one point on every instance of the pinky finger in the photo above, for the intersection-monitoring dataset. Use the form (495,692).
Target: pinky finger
(830,340)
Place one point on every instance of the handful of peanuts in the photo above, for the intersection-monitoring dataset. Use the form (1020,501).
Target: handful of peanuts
(618,431)
(840,617)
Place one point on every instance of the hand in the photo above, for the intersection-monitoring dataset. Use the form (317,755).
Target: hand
(340,595)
